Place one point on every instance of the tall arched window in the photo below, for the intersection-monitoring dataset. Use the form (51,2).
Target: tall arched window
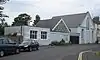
(87,24)
(82,33)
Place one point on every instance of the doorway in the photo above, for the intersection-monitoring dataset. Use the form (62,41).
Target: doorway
(74,39)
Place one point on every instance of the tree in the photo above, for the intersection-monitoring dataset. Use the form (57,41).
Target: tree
(2,28)
(37,19)
(3,1)
(2,17)
(22,19)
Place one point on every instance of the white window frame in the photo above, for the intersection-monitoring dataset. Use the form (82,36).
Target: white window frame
(33,34)
(43,35)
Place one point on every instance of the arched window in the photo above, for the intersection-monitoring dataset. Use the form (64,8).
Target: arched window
(87,24)
(82,33)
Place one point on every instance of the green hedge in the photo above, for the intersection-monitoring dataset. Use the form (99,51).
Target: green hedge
(60,43)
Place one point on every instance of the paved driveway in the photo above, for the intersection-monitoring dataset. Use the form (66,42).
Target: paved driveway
(52,53)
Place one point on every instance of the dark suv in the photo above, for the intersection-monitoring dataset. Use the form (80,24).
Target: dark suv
(8,46)
(29,45)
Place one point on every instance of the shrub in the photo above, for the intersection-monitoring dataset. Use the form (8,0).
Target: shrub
(96,41)
(62,42)
(54,43)
(97,53)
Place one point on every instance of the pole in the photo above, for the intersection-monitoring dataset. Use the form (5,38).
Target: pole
(21,34)
(21,30)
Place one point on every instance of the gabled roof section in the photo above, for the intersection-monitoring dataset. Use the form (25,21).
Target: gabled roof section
(73,20)
(96,20)
(48,23)
(61,27)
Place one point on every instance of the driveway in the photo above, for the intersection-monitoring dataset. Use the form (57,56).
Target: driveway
(52,53)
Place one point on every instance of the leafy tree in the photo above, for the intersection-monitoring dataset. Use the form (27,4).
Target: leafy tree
(3,1)
(37,19)
(2,28)
(2,17)
(22,19)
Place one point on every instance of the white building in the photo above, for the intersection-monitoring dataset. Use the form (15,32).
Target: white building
(96,21)
(75,28)
(80,26)
(42,35)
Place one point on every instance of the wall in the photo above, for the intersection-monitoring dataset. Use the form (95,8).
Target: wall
(95,32)
(14,29)
(87,33)
(73,30)
(26,34)
(57,36)
(98,32)
(51,36)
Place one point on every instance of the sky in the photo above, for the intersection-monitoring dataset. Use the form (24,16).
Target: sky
(46,9)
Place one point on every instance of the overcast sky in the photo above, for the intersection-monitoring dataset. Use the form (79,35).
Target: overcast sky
(48,8)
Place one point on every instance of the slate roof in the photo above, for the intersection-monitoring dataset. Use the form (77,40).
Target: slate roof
(73,20)
(48,23)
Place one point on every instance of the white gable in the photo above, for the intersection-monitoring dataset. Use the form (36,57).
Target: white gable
(84,23)
(63,23)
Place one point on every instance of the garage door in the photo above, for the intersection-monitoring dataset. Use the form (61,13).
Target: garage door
(74,39)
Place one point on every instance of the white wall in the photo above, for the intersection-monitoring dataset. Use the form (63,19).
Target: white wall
(73,30)
(57,36)
(26,34)
(51,36)
(14,29)
(95,32)
(87,33)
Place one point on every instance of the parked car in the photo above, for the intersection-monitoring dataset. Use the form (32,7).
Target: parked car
(29,45)
(8,46)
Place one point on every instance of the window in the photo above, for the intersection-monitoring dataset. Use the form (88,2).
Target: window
(87,23)
(92,36)
(33,34)
(1,41)
(43,35)
(82,33)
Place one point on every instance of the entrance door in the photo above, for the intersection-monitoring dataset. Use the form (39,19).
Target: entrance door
(74,39)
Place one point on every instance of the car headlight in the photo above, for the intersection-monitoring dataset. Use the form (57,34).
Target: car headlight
(26,46)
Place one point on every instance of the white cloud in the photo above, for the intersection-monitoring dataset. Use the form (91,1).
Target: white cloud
(49,8)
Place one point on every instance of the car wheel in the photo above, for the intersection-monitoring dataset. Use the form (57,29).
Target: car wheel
(17,51)
(30,49)
(1,53)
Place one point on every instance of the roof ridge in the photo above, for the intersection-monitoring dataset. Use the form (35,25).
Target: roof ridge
(70,14)
(45,19)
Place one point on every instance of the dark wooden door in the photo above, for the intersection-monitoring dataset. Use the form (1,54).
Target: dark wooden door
(74,39)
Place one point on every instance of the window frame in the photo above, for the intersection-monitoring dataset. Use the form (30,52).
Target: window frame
(43,35)
(33,34)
